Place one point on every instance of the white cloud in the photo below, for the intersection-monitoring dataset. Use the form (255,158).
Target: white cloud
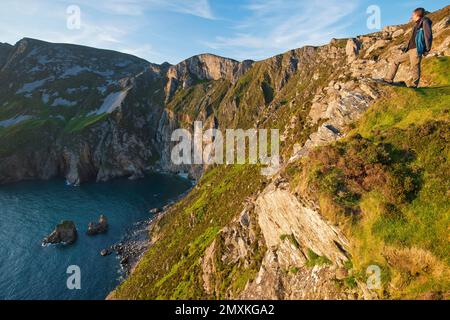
(99,26)
(140,51)
(264,27)
(280,25)
(198,8)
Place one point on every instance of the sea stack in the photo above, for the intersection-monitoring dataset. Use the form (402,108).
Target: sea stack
(64,233)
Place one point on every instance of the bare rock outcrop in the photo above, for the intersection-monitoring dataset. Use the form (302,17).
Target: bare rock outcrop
(64,233)
(336,107)
(282,217)
(204,67)
(98,228)
(292,230)
(275,283)
(238,246)
(284,231)
(352,49)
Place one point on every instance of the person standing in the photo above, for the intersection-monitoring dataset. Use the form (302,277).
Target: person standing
(419,45)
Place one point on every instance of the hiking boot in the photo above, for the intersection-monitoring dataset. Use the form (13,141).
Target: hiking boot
(411,85)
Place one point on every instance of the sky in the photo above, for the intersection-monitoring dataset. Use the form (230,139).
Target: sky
(173,30)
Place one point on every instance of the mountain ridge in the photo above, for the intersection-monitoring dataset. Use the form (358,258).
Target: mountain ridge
(347,198)
(237,234)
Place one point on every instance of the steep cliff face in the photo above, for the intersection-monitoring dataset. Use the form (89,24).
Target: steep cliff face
(5,50)
(203,68)
(313,230)
(309,231)
(89,114)
(77,112)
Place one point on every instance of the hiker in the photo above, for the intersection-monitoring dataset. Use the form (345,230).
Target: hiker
(419,45)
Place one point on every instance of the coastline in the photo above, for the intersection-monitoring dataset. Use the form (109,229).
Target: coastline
(135,243)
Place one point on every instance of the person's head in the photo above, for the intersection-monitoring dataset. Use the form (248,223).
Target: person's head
(418,14)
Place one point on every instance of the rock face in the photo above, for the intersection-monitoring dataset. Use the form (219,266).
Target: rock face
(336,107)
(98,228)
(64,233)
(87,108)
(119,123)
(204,67)
(111,119)
(281,214)
(5,50)
(292,229)
(291,226)
(352,49)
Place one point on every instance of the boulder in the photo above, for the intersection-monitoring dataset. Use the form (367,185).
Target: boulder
(398,33)
(379,44)
(105,252)
(64,233)
(98,228)
(389,29)
(352,49)
(155,210)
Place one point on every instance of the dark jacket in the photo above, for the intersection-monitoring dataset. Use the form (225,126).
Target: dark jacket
(427,25)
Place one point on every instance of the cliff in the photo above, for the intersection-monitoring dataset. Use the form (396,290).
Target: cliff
(363,180)
(357,189)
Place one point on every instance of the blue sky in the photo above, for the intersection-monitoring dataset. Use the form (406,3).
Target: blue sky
(173,30)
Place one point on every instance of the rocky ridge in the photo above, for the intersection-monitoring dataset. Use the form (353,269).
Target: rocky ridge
(291,224)
(203,67)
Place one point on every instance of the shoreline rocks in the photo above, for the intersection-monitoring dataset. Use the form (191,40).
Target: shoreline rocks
(98,228)
(133,246)
(65,233)
(105,252)
(155,210)
(137,241)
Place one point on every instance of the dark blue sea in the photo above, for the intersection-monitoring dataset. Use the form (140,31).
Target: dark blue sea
(30,210)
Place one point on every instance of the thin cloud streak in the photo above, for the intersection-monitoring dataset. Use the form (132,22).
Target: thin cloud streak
(279,25)
(197,8)
(104,24)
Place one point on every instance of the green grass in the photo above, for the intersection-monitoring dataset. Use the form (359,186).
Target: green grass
(406,107)
(386,184)
(315,260)
(395,167)
(25,136)
(171,268)
(78,124)
(437,71)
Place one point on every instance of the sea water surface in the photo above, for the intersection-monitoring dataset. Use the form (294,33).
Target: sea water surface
(29,211)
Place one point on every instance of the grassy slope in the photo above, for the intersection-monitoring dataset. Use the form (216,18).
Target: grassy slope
(387,185)
(170,269)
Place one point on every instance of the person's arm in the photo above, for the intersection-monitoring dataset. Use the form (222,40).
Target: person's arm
(428,30)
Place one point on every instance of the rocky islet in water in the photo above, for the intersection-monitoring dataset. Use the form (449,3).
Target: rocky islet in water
(65,233)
